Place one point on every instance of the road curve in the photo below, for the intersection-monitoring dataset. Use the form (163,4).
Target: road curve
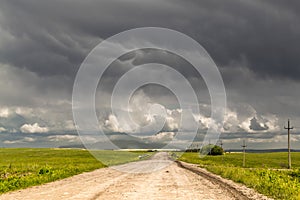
(164,180)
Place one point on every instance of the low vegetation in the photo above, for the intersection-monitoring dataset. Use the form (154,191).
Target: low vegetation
(21,168)
(264,172)
(213,150)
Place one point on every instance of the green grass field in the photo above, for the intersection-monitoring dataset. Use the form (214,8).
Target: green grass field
(253,160)
(22,168)
(264,172)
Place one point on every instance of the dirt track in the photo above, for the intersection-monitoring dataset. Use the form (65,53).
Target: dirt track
(171,182)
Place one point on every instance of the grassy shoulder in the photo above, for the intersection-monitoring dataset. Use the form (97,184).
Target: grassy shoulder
(22,168)
(264,172)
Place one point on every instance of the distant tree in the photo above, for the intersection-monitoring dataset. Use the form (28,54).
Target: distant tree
(217,150)
(213,150)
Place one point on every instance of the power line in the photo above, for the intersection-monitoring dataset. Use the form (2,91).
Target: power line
(289,144)
(221,144)
(244,152)
(209,147)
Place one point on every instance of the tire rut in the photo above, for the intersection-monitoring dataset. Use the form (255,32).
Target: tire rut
(239,195)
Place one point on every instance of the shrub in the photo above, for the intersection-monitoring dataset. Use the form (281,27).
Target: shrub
(213,150)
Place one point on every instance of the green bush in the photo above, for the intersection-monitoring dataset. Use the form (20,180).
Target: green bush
(44,170)
(213,150)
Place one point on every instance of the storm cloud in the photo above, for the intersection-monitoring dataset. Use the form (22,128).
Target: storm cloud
(255,44)
(57,35)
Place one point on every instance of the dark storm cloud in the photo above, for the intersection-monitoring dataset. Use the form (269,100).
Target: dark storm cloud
(42,41)
(255,44)
(118,68)
(53,37)
(256,126)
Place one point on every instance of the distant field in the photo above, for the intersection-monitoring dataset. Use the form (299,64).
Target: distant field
(265,172)
(255,160)
(21,168)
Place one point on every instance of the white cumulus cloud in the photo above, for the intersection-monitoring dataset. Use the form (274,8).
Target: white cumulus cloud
(5,112)
(69,138)
(33,128)
(2,129)
(112,124)
(24,140)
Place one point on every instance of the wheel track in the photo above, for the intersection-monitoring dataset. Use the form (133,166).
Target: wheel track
(232,190)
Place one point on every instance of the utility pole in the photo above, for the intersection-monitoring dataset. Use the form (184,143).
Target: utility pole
(244,152)
(209,147)
(221,144)
(289,144)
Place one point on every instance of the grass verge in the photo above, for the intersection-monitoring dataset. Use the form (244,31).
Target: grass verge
(22,168)
(262,173)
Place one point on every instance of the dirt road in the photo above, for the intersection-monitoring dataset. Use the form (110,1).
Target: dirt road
(162,181)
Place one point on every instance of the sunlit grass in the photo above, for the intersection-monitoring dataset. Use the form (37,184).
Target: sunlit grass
(253,160)
(265,172)
(21,168)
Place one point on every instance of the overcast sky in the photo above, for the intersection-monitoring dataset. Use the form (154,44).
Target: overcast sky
(254,43)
